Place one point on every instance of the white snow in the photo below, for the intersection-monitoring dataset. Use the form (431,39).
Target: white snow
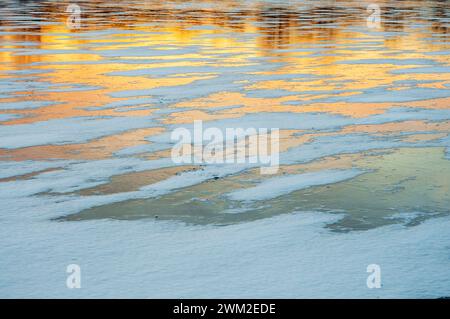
(67,131)
(291,255)
(282,185)
(288,256)
(9,169)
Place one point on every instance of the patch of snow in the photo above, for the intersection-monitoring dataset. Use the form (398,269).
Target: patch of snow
(67,131)
(282,185)
(289,256)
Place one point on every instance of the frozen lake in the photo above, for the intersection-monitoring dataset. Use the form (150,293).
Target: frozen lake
(89,100)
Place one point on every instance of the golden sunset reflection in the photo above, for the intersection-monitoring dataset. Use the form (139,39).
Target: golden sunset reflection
(224,149)
(219,61)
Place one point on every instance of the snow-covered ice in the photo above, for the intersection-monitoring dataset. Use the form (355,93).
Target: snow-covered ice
(282,185)
(86,122)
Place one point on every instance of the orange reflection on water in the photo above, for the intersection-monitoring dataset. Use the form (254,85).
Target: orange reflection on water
(326,60)
(97,149)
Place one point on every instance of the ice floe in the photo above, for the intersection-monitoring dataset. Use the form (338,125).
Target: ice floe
(278,186)
(67,131)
